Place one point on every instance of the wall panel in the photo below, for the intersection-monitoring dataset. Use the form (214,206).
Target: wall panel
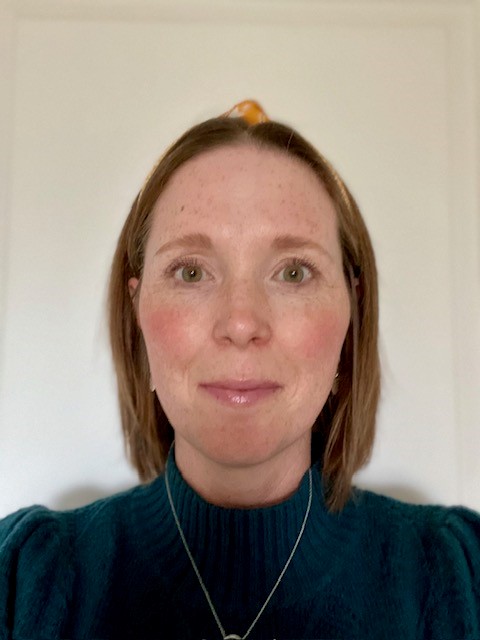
(95,91)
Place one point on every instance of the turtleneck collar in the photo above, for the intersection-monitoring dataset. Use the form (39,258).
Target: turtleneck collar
(240,553)
(251,546)
(193,510)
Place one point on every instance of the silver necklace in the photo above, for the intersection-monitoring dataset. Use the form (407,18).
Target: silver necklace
(233,636)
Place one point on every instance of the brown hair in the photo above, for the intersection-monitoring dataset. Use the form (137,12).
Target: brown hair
(343,433)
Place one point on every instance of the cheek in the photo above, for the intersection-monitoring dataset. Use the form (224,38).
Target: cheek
(320,336)
(168,332)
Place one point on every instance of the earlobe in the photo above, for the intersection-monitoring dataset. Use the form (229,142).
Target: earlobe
(334,390)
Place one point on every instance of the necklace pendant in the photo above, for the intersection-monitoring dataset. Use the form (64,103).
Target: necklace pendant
(232,636)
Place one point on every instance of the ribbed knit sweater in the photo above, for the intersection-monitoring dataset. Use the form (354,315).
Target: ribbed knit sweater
(117,568)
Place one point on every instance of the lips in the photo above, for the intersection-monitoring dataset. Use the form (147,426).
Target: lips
(241,393)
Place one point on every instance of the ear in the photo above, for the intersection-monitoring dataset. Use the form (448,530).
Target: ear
(133,290)
(132,287)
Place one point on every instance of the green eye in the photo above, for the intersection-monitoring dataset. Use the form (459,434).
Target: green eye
(191,274)
(295,273)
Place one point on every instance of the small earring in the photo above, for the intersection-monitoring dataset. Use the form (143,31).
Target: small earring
(151,385)
(335,385)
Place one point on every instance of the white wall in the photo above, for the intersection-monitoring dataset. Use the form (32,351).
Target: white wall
(91,93)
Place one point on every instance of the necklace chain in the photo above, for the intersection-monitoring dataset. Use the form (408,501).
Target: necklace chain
(199,577)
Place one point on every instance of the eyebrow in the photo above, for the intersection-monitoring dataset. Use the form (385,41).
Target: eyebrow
(287,241)
(280,243)
(189,241)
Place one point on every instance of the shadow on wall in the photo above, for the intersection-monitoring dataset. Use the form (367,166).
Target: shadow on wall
(85,495)
(82,496)
(403,493)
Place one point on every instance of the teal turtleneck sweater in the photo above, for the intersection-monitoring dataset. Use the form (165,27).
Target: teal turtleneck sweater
(118,569)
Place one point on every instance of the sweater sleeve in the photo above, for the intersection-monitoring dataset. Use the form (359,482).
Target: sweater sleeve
(36,575)
(453,607)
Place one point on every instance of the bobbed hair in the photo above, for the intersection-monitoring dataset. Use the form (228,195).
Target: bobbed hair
(343,433)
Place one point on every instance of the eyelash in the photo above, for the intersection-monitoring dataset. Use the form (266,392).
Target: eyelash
(181,262)
(294,261)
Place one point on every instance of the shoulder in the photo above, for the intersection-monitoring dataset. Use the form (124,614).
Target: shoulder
(38,520)
(34,564)
(30,537)
(451,523)
(34,526)
(36,532)
(54,527)
(42,555)
(433,525)
(434,546)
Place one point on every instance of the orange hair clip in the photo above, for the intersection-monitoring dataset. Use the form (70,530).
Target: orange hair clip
(249,110)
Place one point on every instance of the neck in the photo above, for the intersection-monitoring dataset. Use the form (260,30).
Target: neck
(262,484)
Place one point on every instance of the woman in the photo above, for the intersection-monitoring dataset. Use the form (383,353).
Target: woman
(243,322)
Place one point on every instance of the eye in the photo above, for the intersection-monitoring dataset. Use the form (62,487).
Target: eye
(191,273)
(297,271)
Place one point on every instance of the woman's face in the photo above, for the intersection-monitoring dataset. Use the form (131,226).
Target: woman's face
(243,304)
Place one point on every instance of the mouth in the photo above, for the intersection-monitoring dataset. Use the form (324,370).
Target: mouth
(241,393)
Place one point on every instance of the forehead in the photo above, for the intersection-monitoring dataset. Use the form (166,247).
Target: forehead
(243,185)
(249,166)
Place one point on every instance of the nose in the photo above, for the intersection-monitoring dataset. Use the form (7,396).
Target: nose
(243,315)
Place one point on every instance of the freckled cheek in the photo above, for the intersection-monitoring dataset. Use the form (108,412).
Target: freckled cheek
(169,332)
(321,335)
